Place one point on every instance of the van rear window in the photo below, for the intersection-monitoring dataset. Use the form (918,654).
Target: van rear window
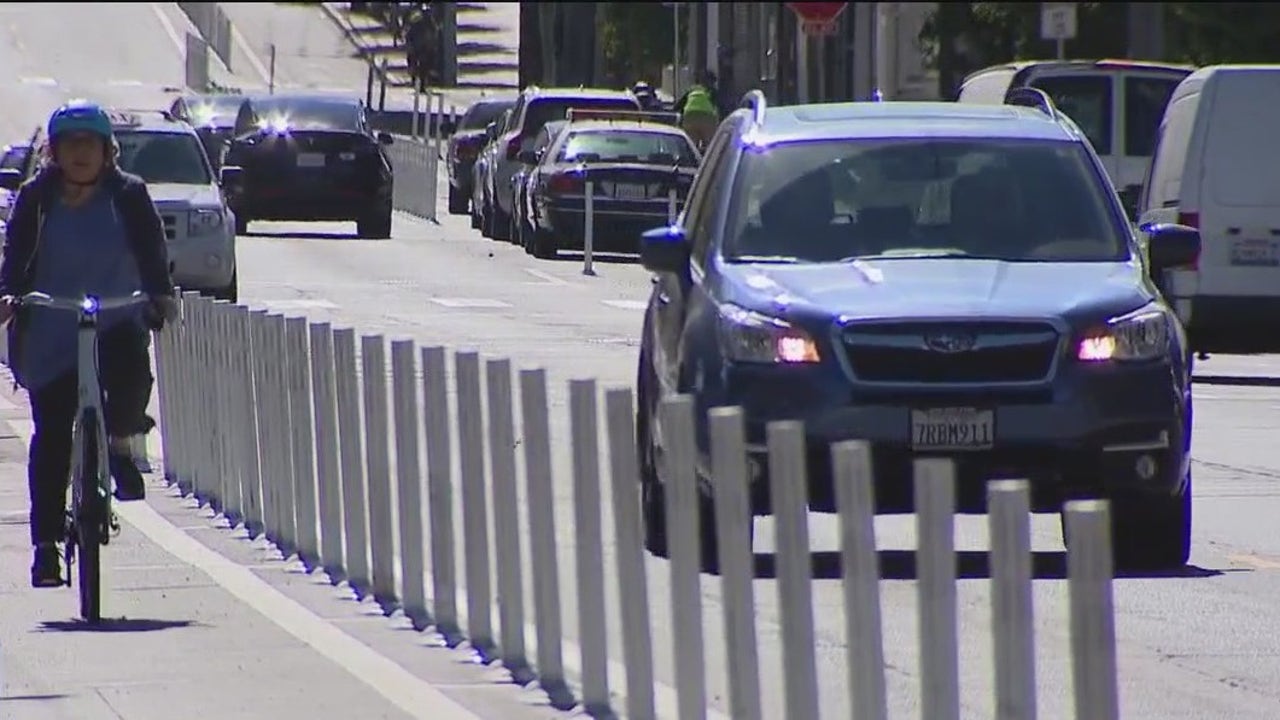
(1086,99)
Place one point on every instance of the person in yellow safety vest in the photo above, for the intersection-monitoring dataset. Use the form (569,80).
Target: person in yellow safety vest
(699,116)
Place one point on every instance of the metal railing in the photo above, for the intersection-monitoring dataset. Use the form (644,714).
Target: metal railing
(415,159)
(288,428)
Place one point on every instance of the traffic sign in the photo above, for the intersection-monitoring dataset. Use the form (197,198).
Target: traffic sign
(817,18)
(1057,20)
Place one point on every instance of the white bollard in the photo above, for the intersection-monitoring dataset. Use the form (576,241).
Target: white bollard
(300,421)
(350,449)
(588,227)
(935,480)
(444,575)
(382,531)
(506,520)
(475,506)
(1093,624)
(404,405)
(328,469)
(256,507)
(1012,623)
(864,638)
(592,630)
(679,474)
(280,446)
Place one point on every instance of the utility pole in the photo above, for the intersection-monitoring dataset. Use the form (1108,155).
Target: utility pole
(448,44)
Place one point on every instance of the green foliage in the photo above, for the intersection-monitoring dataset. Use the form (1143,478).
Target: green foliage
(1225,32)
(638,41)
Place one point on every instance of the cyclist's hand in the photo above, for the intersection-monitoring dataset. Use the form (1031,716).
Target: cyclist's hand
(160,310)
(8,306)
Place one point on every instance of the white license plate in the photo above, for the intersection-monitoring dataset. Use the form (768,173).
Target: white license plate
(952,429)
(311,160)
(1254,252)
(623,191)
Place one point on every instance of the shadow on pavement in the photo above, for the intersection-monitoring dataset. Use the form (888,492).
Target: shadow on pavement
(970,565)
(33,698)
(303,235)
(114,625)
(598,257)
(1236,380)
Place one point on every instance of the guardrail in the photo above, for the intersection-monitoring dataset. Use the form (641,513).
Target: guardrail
(415,159)
(288,428)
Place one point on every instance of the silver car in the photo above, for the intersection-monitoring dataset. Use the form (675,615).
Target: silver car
(168,155)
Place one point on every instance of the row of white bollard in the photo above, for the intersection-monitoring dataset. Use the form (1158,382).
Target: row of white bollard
(589,225)
(432,139)
(261,419)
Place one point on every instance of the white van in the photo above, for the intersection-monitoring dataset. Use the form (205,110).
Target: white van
(1217,168)
(1116,103)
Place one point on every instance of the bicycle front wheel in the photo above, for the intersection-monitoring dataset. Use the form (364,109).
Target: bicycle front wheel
(91,520)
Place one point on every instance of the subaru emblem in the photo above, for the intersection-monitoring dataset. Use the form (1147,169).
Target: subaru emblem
(949,342)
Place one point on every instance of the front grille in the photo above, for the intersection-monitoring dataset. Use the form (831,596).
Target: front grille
(170,226)
(1001,352)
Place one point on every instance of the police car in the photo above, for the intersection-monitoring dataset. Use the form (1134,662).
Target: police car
(168,155)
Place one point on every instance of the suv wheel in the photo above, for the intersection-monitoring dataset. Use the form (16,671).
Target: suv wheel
(375,223)
(1149,533)
(458,202)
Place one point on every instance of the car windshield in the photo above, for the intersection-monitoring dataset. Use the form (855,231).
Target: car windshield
(310,115)
(481,114)
(214,110)
(833,201)
(544,110)
(163,158)
(633,146)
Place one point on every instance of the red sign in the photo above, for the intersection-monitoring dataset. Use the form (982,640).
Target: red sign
(817,12)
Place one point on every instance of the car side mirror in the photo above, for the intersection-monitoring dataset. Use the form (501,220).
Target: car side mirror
(665,250)
(1170,245)
(528,157)
(10,178)
(229,175)
(385,138)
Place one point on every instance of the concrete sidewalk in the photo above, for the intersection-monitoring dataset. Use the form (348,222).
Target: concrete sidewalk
(203,623)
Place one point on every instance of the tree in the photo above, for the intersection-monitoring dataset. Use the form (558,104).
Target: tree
(1224,32)
(638,39)
(960,38)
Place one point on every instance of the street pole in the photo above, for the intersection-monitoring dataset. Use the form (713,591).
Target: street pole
(675,56)
(271,89)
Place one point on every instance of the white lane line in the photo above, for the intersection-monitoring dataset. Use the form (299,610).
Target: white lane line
(238,38)
(297,304)
(125,83)
(415,696)
(470,303)
(37,80)
(546,277)
(627,304)
(169,29)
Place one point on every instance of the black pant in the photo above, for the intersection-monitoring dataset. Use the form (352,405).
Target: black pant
(124,365)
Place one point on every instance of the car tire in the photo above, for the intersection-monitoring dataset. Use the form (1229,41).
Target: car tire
(1152,533)
(486,220)
(476,220)
(242,225)
(375,224)
(543,245)
(501,226)
(458,201)
(230,292)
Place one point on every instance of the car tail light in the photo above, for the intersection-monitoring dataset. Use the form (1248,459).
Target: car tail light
(513,147)
(1191,219)
(564,184)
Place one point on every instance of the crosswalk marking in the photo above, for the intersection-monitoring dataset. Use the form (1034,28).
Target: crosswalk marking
(34,80)
(125,83)
(470,303)
(627,304)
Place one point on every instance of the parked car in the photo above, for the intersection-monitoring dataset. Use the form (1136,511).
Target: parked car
(522,229)
(633,163)
(464,147)
(309,158)
(481,184)
(534,108)
(936,280)
(213,116)
(1118,104)
(1216,169)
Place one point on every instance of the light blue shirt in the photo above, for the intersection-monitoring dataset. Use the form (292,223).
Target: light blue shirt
(83,251)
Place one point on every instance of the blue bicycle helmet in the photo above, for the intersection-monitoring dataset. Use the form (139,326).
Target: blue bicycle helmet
(80,116)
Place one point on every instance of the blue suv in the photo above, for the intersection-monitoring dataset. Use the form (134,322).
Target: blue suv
(936,279)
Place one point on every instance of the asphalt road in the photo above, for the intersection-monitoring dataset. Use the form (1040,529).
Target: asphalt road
(1196,645)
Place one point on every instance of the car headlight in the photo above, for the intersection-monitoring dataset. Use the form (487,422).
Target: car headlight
(202,220)
(747,336)
(1140,335)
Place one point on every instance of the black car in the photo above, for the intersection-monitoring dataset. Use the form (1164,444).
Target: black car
(214,118)
(309,158)
(633,163)
(464,147)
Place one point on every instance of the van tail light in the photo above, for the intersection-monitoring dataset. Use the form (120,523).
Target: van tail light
(1191,219)
(513,147)
(564,184)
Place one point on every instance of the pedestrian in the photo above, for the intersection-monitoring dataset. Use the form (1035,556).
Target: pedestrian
(81,226)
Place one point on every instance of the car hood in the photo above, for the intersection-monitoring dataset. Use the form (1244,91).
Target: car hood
(939,287)
(174,194)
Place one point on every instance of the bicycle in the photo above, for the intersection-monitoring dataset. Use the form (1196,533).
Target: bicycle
(91,519)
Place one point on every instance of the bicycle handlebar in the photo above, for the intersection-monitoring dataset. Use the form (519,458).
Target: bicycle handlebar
(85,304)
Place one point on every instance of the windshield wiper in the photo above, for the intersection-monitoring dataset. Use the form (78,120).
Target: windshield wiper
(783,259)
(923,254)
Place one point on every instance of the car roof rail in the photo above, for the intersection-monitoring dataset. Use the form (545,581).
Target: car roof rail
(1032,98)
(754,99)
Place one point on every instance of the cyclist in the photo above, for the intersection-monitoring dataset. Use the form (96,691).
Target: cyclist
(81,226)
(646,96)
(698,115)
